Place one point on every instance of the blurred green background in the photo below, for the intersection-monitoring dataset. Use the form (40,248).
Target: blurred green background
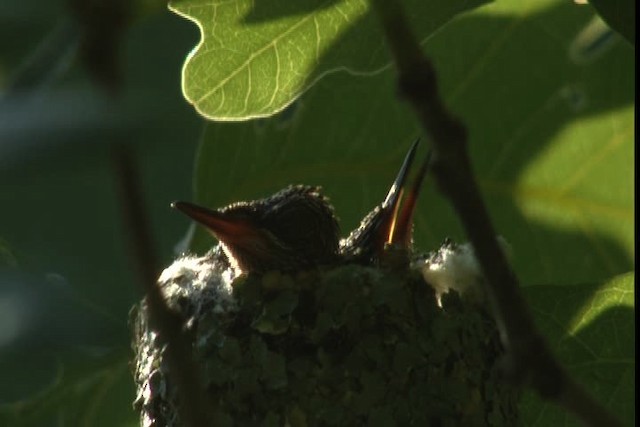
(68,280)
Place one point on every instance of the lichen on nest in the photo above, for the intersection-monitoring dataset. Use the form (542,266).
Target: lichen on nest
(349,345)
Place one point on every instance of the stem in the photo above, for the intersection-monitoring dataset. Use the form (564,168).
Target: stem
(530,359)
(194,408)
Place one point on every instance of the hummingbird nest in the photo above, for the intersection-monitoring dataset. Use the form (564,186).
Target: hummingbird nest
(349,345)
(358,332)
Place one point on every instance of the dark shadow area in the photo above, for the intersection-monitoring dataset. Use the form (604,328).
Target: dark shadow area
(45,320)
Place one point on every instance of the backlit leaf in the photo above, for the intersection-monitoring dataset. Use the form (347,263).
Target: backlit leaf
(256,57)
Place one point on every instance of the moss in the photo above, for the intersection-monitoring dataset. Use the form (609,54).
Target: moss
(349,345)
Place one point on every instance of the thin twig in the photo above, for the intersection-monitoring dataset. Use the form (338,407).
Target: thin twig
(194,408)
(530,360)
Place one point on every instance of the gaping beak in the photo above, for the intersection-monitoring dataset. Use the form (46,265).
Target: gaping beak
(232,231)
(397,218)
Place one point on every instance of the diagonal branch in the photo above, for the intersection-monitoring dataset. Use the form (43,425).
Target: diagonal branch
(529,359)
(194,408)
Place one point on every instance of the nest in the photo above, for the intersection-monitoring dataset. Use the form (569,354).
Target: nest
(344,346)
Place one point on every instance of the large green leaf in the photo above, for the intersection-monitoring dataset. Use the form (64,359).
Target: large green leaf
(591,329)
(256,57)
(551,126)
(551,138)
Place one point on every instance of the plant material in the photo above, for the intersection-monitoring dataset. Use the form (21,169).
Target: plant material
(348,345)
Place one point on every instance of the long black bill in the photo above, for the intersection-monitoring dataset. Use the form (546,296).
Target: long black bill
(400,231)
(224,227)
(395,227)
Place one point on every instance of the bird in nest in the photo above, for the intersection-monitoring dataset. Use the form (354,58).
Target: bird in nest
(297,229)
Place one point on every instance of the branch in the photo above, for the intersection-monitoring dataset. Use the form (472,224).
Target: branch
(194,409)
(529,359)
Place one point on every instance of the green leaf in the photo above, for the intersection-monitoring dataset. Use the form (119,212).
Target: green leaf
(551,140)
(256,57)
(591,330)
(551,129)
(620,15)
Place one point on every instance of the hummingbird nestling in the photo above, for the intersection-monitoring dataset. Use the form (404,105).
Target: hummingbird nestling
(387,224)
(294,229)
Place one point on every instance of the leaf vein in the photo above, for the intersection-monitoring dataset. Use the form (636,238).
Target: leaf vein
(263,49)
